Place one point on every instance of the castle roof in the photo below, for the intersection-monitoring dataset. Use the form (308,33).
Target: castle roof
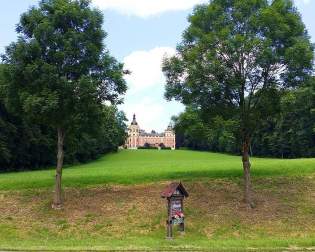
(152,134)
(134,121)
(169,128)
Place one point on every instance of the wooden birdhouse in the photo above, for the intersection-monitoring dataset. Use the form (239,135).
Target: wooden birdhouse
(175,193)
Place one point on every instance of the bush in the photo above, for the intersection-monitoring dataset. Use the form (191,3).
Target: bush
(148,148)
(166,148)
(161,145)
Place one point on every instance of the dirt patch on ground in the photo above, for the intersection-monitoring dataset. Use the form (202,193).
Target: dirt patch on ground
(285,207)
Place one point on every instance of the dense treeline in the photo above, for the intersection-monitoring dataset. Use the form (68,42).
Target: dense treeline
(289,132)
(28,145)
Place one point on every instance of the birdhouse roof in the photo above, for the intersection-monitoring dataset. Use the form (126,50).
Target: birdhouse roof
(171,189)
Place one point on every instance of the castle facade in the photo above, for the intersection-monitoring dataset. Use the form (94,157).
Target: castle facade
(138,137)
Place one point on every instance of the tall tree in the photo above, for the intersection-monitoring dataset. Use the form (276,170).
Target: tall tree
(235,57)
(59,71)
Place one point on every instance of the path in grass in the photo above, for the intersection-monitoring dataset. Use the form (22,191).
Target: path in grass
(143,166)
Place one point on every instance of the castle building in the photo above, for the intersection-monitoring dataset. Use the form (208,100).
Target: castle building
(138,137)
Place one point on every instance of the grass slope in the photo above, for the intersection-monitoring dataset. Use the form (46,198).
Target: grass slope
(145,166)
(114,203)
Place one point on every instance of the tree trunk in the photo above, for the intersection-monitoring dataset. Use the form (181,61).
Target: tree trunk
(57,203)
(246,167)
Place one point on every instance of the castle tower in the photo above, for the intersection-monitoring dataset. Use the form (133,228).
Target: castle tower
(170,140)
(133,133)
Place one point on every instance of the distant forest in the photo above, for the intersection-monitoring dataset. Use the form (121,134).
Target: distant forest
(289,132)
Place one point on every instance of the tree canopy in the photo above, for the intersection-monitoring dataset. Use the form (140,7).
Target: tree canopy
(236,57)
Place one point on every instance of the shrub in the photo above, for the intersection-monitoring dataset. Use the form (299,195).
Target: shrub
(147,147)
(166,148)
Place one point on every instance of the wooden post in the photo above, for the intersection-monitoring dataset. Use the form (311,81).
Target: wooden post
(182,225)
(169,232)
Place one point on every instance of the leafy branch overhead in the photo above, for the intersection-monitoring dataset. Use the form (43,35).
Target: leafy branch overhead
(61,57)
(235,52)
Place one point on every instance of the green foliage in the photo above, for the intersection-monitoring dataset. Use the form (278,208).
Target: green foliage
(25,145)
(59,70)
(288,133)
(147,147)
(215,134)
(236,56)
(166,148)
(87,143)
(58,75)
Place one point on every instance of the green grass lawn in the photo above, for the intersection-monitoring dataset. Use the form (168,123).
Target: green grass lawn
(114,203)
(145,166)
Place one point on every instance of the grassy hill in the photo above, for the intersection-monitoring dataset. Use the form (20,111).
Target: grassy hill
(114,202)
(144,166)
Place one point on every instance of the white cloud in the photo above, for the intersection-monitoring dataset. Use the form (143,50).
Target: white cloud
(145,96)
(147,111)
(146,8)
(153,113)
(302,1)
(145,67)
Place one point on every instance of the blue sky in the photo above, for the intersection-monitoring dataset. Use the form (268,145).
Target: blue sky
(140,33)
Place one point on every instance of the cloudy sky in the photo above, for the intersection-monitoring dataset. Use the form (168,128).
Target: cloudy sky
(140,33)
